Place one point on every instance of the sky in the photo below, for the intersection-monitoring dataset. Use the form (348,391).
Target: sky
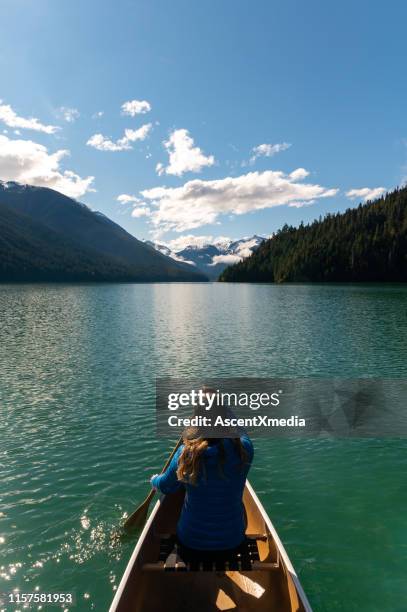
(186,121)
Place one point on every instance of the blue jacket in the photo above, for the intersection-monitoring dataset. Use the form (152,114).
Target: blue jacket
(212,517)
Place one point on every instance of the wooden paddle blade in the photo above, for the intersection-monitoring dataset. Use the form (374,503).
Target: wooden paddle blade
(138,518)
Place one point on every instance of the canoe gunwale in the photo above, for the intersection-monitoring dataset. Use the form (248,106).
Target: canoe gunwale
(282,554)
(280,548)
(134,555)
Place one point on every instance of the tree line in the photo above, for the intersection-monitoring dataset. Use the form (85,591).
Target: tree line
(367,243)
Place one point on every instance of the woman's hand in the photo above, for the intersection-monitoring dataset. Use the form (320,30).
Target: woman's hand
(151,480)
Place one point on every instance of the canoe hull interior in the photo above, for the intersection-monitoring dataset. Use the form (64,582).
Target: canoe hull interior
(274,588)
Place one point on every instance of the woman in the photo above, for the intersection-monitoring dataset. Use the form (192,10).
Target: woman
(213,472)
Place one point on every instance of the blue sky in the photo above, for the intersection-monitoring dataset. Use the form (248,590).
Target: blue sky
(262,112)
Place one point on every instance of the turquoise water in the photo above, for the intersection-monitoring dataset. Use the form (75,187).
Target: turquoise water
(77,370)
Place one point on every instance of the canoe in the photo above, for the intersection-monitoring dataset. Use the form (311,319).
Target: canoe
(157,580)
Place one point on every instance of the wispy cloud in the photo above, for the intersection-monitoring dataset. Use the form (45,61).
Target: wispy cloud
(11,119)
(70,115)
(183,155)
(101,143)
(125,198)
(268,150)
(136,107)
(366,193)
(198,202)
(138,206)
(98,114)
(26,161)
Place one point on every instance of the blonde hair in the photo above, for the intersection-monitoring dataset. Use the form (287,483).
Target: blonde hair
(190,460)
(189,463)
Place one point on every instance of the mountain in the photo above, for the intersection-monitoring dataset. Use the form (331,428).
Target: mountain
(29,251)
(367,243)
(212,259)
(44,218)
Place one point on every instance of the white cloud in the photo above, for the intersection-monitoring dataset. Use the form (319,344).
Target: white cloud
(125,198)
(268,150)
(136,107)
(26,161)
(141,211)
(140,134)
(98,114)
(183,156)
(10,118)
(200,202)
(101,143)
(246,246)
(70,115)
(245,252)
(365,193)
(225,259)
(301,204)
(299,174)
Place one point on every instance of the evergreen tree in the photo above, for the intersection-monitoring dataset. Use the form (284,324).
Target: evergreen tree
(367,243)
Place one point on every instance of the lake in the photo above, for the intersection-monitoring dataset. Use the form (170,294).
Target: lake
(77,445)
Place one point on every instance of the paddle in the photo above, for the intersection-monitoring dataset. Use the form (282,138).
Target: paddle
(139,516)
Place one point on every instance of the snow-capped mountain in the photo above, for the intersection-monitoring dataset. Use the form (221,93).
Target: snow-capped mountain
(212,258)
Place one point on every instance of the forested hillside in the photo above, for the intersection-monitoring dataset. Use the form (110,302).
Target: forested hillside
(367,243)
(31,252)
(44,235)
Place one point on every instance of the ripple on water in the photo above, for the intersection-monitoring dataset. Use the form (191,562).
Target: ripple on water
(77,427)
